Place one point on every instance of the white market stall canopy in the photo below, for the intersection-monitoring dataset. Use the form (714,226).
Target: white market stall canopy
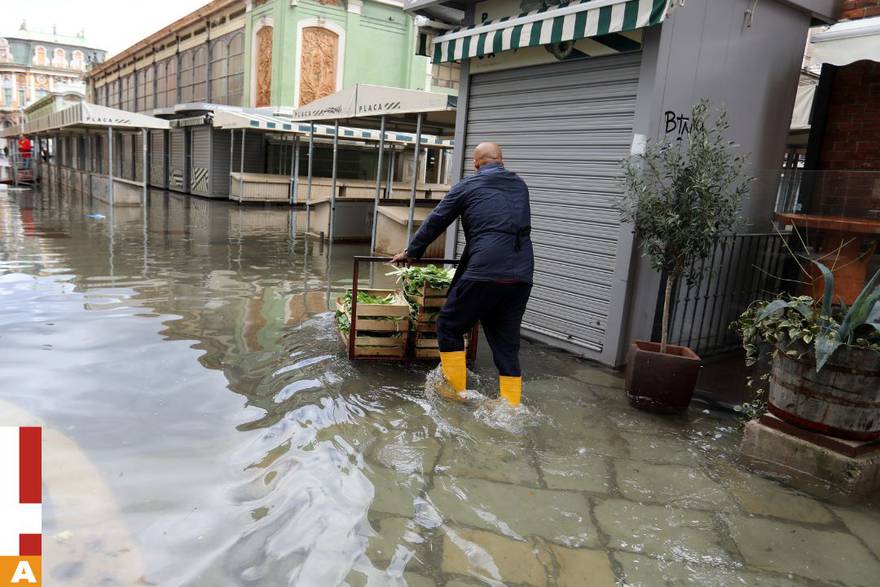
(584,19)
(232,119)
(86,115)
(847,42)
(368,100)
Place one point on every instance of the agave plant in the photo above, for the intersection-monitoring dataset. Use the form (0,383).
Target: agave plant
(863,314)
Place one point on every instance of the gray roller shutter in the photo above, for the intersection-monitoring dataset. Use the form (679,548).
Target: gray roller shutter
(220,162)
(564,127)
(158,159)
(139,157)
(200,137)
(177,160)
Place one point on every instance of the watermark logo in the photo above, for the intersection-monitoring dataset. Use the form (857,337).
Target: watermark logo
(21,506)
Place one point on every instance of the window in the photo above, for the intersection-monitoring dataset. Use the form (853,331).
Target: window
(235,67)
(186,77)
(171,81)
(4,51)
(149,89)
(200,75)
(40,56)
(113,94)
(145,89)
(445,75)
(78,61)
(60,58)
(218,72)
(160,85)
(21,97)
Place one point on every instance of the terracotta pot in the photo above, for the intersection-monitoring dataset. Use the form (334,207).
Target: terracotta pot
(841,400)
(661,382)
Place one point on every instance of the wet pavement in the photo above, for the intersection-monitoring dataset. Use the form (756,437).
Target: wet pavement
(202,426)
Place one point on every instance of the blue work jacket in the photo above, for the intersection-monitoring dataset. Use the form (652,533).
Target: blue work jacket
(494,208)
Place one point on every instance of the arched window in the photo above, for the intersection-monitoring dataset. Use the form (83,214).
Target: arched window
(40,57)
(160,85)
(141,76)
(186,77)
(235,68)
(59,58)
(78,60)
(149,89)
(171,82)
(200,75)
(218,71)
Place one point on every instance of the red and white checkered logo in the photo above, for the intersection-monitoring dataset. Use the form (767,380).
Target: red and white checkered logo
(21,504)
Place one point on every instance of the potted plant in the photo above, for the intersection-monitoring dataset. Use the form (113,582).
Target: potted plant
(679,197)
(825,361)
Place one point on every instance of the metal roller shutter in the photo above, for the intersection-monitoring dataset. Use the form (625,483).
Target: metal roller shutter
(200,138)
(177,160)
(157,158)
(564,127)
(220,162)
(139,157)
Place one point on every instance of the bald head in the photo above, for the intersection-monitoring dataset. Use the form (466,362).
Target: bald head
(487,153)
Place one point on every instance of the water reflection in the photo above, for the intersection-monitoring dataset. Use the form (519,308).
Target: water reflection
(204,427)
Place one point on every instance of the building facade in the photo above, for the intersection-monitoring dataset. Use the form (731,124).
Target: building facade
(34,64)
(260,53)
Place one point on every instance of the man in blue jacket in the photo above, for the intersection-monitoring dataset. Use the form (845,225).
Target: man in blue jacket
(494,278)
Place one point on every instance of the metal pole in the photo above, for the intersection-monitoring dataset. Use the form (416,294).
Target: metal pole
(295,185)
(378,184)
(241,168)
(110,164)
(415,178)
(309,186)
(392,161)
(333,181)
(144,166)
(231,157)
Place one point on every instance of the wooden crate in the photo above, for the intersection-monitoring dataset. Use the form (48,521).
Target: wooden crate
(381,330)
(425,345)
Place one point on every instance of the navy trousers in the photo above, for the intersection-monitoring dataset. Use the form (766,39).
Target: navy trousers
(499,308)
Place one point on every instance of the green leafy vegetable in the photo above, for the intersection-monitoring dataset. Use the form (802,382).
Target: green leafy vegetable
(414,277)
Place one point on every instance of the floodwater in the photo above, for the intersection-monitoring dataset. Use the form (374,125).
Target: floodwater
(202,426)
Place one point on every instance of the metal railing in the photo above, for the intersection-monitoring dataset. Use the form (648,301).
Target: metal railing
(740,269)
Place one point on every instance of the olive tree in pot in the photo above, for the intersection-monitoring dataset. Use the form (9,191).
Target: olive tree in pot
(825,360)
(680,197)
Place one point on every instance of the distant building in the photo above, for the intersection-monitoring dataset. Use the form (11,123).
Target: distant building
(258,53)
(34,64)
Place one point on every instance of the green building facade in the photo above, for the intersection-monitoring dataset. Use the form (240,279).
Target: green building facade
(374,41)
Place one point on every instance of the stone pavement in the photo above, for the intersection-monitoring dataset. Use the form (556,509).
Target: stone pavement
(595,493)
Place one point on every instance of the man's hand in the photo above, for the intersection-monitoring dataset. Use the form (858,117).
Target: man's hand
(400,258)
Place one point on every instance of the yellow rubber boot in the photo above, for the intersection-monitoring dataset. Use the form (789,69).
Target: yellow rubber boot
(454,365)
(511,389)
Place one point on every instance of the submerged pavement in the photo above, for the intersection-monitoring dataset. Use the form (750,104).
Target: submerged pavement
(204,427)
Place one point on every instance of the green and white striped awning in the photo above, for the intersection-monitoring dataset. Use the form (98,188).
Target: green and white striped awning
(572,21)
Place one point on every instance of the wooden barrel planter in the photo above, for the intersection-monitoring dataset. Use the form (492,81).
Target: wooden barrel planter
(841,400)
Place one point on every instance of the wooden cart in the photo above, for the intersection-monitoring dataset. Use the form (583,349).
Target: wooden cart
(423,345)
